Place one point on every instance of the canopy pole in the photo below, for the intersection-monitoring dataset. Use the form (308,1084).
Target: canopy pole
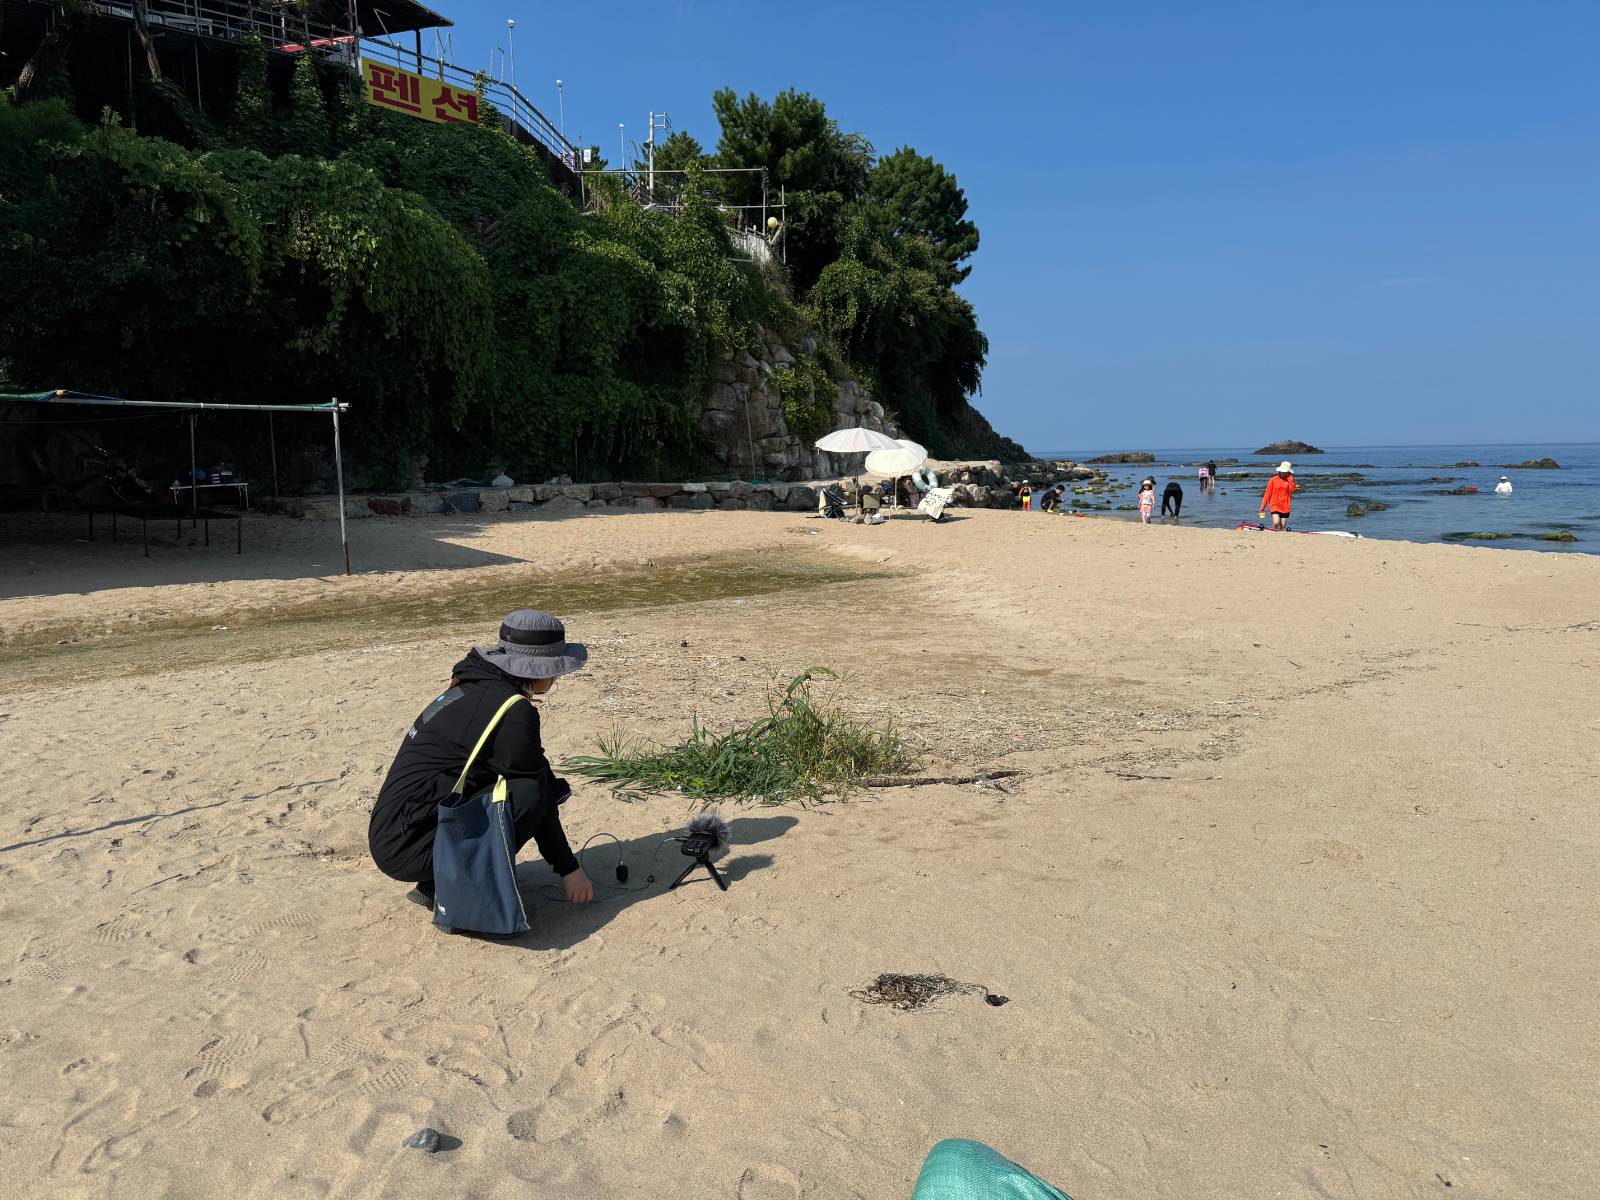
(194,478)
(272,439)
(338,467)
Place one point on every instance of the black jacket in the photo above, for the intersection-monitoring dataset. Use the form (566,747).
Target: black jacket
(435,749)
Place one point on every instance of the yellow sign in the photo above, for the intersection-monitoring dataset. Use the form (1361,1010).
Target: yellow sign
(417,95)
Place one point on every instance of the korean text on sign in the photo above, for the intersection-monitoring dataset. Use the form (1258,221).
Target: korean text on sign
(431,99)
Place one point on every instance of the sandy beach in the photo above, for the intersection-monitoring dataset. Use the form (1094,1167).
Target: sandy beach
(1292,895)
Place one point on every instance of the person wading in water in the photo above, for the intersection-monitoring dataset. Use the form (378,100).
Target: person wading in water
(1279,496)
(533,652)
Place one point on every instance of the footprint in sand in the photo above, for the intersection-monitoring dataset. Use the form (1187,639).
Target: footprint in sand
(289,920)
(387,1080)
(118,929)
(687,1043)
(241,966)
(310,1096)
(524,1125)
(221,1054)
(768,1181)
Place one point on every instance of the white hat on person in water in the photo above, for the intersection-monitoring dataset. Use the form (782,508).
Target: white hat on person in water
(1505,479)
(1284,468)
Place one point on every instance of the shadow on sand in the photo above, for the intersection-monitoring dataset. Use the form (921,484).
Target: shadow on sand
(558,925)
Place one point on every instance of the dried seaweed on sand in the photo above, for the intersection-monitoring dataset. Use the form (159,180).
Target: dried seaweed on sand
(908,993)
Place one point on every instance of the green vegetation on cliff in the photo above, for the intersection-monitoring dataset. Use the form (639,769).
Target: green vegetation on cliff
(309,245)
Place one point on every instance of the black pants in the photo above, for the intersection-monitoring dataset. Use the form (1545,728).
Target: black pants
(402,840)
(1171,501)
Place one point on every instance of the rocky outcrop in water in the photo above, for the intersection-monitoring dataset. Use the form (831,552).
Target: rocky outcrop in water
(1533,464)
(1289,447)
(1131,456)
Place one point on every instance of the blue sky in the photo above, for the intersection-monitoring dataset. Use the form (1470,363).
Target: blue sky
(1203,224)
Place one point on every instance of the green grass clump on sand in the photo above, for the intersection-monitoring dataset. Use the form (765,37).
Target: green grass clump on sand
(804,749)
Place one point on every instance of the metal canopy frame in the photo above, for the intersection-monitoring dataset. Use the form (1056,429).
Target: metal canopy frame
(333,408)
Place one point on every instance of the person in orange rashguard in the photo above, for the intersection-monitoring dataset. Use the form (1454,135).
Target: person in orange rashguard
(1278,497)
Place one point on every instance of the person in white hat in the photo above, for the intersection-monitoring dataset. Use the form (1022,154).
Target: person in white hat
(1279,496)
(1503,488)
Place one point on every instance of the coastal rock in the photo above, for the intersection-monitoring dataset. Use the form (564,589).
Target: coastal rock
(1533,464)
(426,1140)
(1558,535)
(1137,456)
(425,502)
(1360,508)
(606,491)
(560,506)
(1468,463)
(461,502)
(496,501)
(725,397)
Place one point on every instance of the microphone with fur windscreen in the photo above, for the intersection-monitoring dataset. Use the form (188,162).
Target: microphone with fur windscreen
(706,842)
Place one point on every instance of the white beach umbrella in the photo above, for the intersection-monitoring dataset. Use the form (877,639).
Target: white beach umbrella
(920,451)
(894,463)
(858,440)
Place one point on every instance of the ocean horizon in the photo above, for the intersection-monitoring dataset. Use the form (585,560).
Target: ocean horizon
(1415,484)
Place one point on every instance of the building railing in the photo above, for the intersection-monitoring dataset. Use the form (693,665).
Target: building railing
(227,20)
(507,99)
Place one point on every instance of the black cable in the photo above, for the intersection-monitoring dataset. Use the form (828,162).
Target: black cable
(619,887)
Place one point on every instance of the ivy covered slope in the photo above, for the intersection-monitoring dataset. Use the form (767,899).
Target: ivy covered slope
(310,245)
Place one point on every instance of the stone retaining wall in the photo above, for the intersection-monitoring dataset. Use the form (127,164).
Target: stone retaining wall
(977,485)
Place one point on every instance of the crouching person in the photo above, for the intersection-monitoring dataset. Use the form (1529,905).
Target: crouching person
(532,653)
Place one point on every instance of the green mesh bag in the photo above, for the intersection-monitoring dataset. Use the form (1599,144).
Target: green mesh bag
(958,1169)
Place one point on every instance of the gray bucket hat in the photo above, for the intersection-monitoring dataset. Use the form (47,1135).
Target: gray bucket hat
(533,645)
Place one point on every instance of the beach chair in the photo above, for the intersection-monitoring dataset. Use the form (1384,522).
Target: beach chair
(831,503)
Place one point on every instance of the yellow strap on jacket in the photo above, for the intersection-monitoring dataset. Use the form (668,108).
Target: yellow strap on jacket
(471,758)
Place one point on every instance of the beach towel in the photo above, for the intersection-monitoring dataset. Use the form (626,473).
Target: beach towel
(958,1169)
(474,855)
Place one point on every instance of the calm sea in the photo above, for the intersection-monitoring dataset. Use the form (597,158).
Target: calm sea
(1414,481)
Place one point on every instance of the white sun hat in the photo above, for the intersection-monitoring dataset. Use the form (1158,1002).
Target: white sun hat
(1285,467)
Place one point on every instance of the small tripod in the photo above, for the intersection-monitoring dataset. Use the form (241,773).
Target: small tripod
(698,847)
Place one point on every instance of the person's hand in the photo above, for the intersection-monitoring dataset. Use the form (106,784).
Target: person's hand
(1262,515)
(579,889)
